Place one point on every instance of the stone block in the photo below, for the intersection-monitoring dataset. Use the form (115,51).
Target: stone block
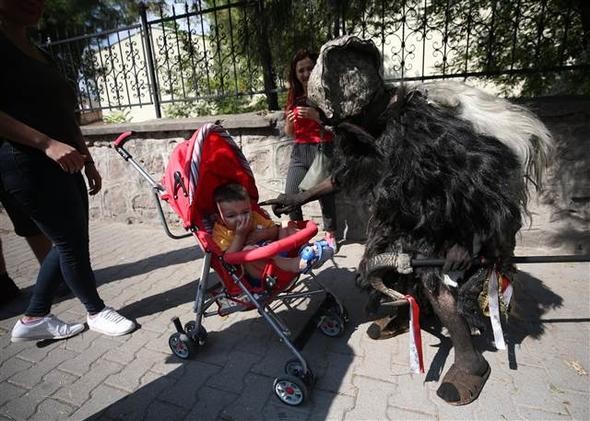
(261,163)
(254,393)
(101,398)
(51,409)
(534,390)
(184,393)
(31,377)
(80,364)
(129,378)
(137,405)
(25,405)
(78,392)
(232,377)
(330,406)
(370,400)
(9,392)
(12,366)
(157,408)
(210,404)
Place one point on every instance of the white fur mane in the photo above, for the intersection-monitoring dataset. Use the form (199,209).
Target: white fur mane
(513,125)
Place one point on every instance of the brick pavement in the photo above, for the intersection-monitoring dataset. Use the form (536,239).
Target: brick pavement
(150,278)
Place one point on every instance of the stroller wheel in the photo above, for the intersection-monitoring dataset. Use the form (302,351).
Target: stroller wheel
(294,368)
(290,390)
(331,324)
(181,345)
(200,337)
(342,312)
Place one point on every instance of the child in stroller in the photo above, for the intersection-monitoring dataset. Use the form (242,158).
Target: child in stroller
(197,168)
(241,228)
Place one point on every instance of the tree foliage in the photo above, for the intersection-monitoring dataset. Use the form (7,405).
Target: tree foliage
(223,55)
(67,17)
(520,44)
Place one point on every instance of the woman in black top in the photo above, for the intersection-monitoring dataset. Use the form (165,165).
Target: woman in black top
(42,152)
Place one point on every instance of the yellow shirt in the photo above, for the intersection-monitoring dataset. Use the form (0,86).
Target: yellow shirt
(223,236)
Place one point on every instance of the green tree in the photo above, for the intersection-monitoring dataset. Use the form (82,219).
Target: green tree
(64,18)
(219,57)
(521,44)
(210,59)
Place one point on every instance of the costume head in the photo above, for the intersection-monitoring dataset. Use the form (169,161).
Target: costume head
(346,79)
(347,84)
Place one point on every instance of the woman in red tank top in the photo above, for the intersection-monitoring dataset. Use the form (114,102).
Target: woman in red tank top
(304,125)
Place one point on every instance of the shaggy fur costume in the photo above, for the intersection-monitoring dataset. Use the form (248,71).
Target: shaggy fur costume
(433,181)
(444,167)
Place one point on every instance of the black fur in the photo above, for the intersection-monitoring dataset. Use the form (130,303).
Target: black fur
(432,182)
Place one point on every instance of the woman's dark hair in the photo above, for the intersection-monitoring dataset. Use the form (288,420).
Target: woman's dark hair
(295,87)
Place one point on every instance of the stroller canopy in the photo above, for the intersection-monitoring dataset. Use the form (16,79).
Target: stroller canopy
(197,166)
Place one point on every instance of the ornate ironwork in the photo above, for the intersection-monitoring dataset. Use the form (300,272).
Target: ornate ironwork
(207,56)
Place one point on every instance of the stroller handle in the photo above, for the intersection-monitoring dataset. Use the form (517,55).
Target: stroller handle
(291,242)
(122,138)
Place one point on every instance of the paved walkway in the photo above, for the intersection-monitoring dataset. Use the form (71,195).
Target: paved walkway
(151,278)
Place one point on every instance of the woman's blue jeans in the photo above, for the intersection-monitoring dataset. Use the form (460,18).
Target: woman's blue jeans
(58,203)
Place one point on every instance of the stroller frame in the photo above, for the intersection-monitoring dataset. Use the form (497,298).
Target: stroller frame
(330,317)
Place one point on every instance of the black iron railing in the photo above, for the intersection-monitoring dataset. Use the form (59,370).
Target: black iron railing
(223,56)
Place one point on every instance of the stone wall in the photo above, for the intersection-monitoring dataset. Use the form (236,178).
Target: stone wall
(126,196)
(560,214)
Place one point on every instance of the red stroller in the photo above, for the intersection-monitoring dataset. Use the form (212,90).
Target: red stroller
(196,168)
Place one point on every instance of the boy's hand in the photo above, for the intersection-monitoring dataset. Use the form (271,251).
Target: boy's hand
(243,226)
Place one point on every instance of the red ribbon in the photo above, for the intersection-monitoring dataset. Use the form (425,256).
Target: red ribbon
(416,332)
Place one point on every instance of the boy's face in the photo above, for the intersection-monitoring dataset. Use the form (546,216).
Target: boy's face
(233,212)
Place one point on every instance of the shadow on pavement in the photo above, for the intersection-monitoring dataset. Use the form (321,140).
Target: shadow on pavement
(532,299)
(166,300)
(115,273)
(143,266)
(232,376)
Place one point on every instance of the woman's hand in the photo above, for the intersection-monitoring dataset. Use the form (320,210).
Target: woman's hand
(66,156)
(309,113)
(94,178)
(291,116)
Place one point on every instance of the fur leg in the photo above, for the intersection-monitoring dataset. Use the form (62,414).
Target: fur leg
(467,359)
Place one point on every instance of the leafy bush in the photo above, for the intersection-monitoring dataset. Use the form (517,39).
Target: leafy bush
(215,106)
(117,117)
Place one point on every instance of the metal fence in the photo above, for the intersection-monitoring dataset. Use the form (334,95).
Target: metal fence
(227,56)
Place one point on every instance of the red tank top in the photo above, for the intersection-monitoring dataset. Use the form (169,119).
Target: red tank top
(307,130)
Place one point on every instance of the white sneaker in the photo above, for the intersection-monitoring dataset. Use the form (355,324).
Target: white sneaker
(110,323)
(49,327)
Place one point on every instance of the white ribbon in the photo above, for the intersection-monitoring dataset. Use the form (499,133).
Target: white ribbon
(494,309)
